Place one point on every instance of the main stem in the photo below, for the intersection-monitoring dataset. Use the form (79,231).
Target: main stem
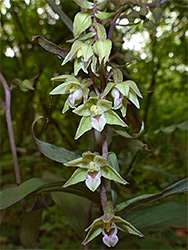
(10,129)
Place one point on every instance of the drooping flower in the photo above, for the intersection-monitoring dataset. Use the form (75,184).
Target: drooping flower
(77,90)
(91,168)
(108,225)
(121,92)
(96,114)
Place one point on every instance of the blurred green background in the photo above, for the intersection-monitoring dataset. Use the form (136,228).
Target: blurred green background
(155,161)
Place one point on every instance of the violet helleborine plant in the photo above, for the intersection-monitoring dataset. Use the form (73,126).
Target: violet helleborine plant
(90,52)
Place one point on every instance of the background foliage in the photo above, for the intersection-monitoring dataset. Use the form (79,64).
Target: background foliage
(155,161)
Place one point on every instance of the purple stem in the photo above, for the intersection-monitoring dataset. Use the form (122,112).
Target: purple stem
(10,129)
(154,4)
(112,26)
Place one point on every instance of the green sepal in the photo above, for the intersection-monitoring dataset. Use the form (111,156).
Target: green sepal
(79,175)
(126,226)
(82,21)
(66,106)
(113,118)
(101,161)
(101,4)
(104,104)
(84,126)
(117,75)
(94,64)
(64,77)
(111,174)
(65,88)
(133,98)
(72,54)
(77,66)
(83,110)
(123,108)
(79,162)
(95,230)
(134,87)
(101,32)
(102,49)
(109,86)
(87,51)
(123,87)
(84,4)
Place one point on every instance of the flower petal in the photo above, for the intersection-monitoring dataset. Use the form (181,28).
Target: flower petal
(110,241)
(117,103)
(98,122)
(93,180)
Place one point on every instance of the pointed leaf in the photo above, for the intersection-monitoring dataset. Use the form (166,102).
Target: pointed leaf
(123,87)
(113,161)
(64,18)
(123,108)
(164,215)
(117,75)
(104,15)
(82,21)
(79,175)
(74,208)
(29,227)
(113,118)
(79,162)
(53,152)
(50,47)
(111,174)
(84,126)
(66,106)
(178,187)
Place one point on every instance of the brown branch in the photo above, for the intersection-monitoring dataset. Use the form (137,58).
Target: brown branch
(10,129)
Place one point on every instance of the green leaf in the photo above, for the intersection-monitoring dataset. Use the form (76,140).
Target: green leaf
(30,222)
(53,152)
(82,21)
(51,47)
(114,119)
(74,208)
(102,49)
(84,126)
(26,85)
(158,217)
(84,4)
(10,196)
(79,175)
(111,174)
(66,20)
(178,187)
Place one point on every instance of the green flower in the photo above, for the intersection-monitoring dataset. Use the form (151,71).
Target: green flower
(91,168)
(77,90)
(108,225)
(121,92)
(96,114)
